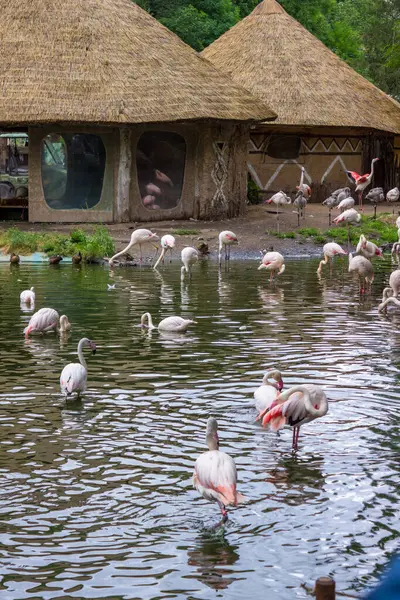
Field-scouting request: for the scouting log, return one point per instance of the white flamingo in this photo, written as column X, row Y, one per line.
column 28, row 296
column 189, row 257
column 168, row 324
column 330, row 250
column 266, row 394
column 368, row 249
column 273, row 262
column 138, row 237
column 167, row 243
column 74, row 376
column 303, row 187
column 350, row 217
column 215, row 475
column 45, row 319
column 364, row 270
column 296, row 406
column 346, row 203
column 226, row 239
column 393, row 195
column 65, row 325
column 279, row 199
column 391, row 294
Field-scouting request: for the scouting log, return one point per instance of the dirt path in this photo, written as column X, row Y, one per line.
column 252, row 229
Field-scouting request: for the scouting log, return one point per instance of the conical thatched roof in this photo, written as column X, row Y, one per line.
column 278, row 60
column 107, row 61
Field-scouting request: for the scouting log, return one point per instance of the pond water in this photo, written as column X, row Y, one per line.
column 96, row 498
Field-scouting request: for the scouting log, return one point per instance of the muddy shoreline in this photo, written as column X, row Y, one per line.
column 254, row 230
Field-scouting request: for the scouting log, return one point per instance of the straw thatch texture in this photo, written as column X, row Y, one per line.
column 109, row 62
column 278, row 60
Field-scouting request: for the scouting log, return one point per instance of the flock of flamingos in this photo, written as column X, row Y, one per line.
column 215, row 474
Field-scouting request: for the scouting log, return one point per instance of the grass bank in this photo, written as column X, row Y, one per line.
column 92, row 246
column 380, row 230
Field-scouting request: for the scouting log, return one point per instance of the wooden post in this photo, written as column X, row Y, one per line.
column 325, row 589
column 122, row 212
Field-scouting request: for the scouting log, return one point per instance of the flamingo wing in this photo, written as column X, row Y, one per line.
column 265, row 396
column 292, row 412
column 353, row 175
column 43, row 320
column 174, row 324
column 73, row 379
column 215, row 477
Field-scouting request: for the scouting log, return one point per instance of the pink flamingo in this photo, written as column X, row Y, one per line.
column 330, row 250
column 296, row 406
column 266, row 394
column 273, row 262
column 215, row 474
column 167, row 243
column 139, row 236
column 44, row 320
column 362, row 181
column 74, row 376
column 227, row 239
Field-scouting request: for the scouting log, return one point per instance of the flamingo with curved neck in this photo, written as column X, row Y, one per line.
column 167, row 243
column 74, row 376
column 296, row 406
column 362, row 181
column 265, row 395
column 139, row 236
column 189, row 256
column 173, row 324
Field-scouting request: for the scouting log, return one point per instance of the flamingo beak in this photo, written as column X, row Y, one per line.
column 93, row 347
column 279, row 385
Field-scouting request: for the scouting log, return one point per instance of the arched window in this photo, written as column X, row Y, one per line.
column 73, row 167
column 160, row 162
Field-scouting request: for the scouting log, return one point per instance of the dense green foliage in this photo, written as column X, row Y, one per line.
column 92, row 246
column 365, row 33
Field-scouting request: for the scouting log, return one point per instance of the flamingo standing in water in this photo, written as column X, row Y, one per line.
column 330, row 250
column 28, row 296
column 167, row 243
column 368, row 249
column 189, row 256
column 362, row 181
column 47, row 319
column 364, row 270
column 74, row 376
column 176, row 324
column 226, row 239
column 390, row 294
column 266, row 394
column 140, row 237
column 273, row 262
column 296, row 406
column 215, row 474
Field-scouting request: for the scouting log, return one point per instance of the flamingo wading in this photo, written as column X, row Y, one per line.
column 189, row 257
column 74, row 376
column 176, row 324
column 364, row 270
column 274, row 263
column 215, row 475
column 296, row 406
column 226, row 239
column 28, row 296
column 44, row 320
column 138, row 237
column 266, row 394
column 167, row 243
column 330, row 250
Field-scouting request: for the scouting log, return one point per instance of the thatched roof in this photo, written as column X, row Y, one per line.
column 278, row 60
column 109, row 62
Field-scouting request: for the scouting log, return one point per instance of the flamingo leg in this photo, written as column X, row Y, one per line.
column 297, row 437
column 277, row 218
column 330, row 260
column 375, row 211
column 360, row 204
column 330, row 217
column 224, row 512
column 298, row 218
column 294, row 438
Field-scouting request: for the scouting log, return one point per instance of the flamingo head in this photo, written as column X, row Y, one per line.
column 378, row 252
column 92, row 346
column 212, row 434
column 268, row 201
column 279, row 385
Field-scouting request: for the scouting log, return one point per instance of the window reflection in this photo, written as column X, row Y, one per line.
column 72, row 170
column 160, row 161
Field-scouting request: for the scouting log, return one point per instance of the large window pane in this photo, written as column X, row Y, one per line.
column 160, row 161
column 72, row 170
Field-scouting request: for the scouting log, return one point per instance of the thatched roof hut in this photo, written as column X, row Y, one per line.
column 277, row 59
column 108, row 62
column 329, row 116
column 125, row 121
